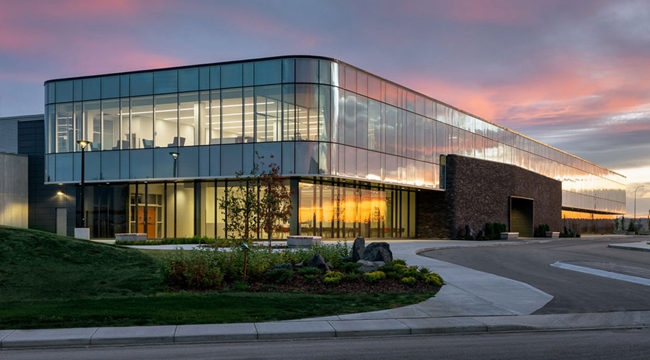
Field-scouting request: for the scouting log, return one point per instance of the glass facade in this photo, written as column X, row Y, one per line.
column 320, row 118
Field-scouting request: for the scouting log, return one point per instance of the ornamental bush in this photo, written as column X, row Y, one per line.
column 373, row 277
column 408, row 280
column 333, row 277
column 433, row 279
column 279, row 276
column 194, row 270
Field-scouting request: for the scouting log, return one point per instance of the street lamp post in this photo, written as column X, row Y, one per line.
column 82, row 145
column 637, row 188
column 174, row 155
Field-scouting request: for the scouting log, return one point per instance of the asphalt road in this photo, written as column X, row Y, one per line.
column 593, row 345
column 573, row 292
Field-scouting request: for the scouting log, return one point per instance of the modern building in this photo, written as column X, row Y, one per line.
column 363, row 155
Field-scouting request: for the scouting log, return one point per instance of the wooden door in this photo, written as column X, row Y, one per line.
column 151, row 221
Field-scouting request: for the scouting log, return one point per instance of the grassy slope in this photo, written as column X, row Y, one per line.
column 37, row 265
column 50, row 281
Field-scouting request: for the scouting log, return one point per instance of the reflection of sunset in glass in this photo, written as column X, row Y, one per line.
column 331, row 211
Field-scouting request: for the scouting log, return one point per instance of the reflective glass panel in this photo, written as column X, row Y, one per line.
column 231, row 75
column 188, row 162
column 165, row 81
column 91, row 88
column 188, row 79
column 231, row 116
column 64, row 130
column 362, row 122
column 110, row 87
column 166, row 121
column 141, row 84
column 141, row 164
column 307, row 70
column 268, row 72
column 188, row 119
column 110, row 165
column 63, row 91
column 111, row 124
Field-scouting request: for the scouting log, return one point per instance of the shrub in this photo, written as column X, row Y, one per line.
column 414, row 273
column 354, row 276
column 331, row 253
column 399, row 261
column 540, row 230
column 424, row 271
column 333, row 277
column 489, row 231
column 433, row 279
column 311, row 278
column 350, row 267
column 306, row 271
column 279, row 276
column 493, row 230
column 191, row 270
column 375, row 276
column 408, row 280
column 240, row 286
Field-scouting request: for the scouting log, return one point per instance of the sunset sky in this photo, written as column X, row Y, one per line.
column 574, row 74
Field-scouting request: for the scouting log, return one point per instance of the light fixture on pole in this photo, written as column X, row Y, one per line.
column 82, row 145
column 174, row 155
column 634, row 220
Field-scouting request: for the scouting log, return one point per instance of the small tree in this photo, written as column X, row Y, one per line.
column 240, row 208
column 616, row 225
column 275, row 200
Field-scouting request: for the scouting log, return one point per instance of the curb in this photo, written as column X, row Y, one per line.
column 317, row 329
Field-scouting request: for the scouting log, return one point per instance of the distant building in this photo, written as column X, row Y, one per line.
column 364, row 156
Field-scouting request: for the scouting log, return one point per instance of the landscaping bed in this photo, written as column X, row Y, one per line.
column 51, row 281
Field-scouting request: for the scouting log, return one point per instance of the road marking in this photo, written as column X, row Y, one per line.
column 602, row 273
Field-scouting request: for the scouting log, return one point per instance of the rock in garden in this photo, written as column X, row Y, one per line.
column 378, row 251
column 318, row 262
column 370, row 266
column 358, row 248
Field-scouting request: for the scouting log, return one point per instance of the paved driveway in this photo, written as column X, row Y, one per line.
column 574, row 292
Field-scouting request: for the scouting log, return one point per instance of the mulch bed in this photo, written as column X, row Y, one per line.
column 348, row 287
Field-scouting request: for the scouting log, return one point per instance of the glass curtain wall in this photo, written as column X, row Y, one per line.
column 333, row 211
column 340, row 121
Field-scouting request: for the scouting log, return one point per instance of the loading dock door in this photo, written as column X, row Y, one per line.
column 521, row 216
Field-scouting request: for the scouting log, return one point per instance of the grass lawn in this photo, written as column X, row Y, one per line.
column 50, row 281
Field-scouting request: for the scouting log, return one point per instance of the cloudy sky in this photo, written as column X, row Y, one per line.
column 571, row 73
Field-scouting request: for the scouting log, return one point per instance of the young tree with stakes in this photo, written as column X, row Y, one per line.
column 259, row 201
column 275, row 200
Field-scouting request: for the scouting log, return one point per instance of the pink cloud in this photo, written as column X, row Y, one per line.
column 562, row 95
column 503, row 12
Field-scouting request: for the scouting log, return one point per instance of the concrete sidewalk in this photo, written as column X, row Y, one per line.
column 470, row 302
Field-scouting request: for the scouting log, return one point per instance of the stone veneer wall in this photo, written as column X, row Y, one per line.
column 479, row 191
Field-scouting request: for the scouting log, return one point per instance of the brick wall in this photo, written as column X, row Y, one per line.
column 479, row 191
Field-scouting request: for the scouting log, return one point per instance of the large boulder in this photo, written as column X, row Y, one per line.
column 370, row 266
column 378, row 251
column 317, row 261
column 358, row 248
